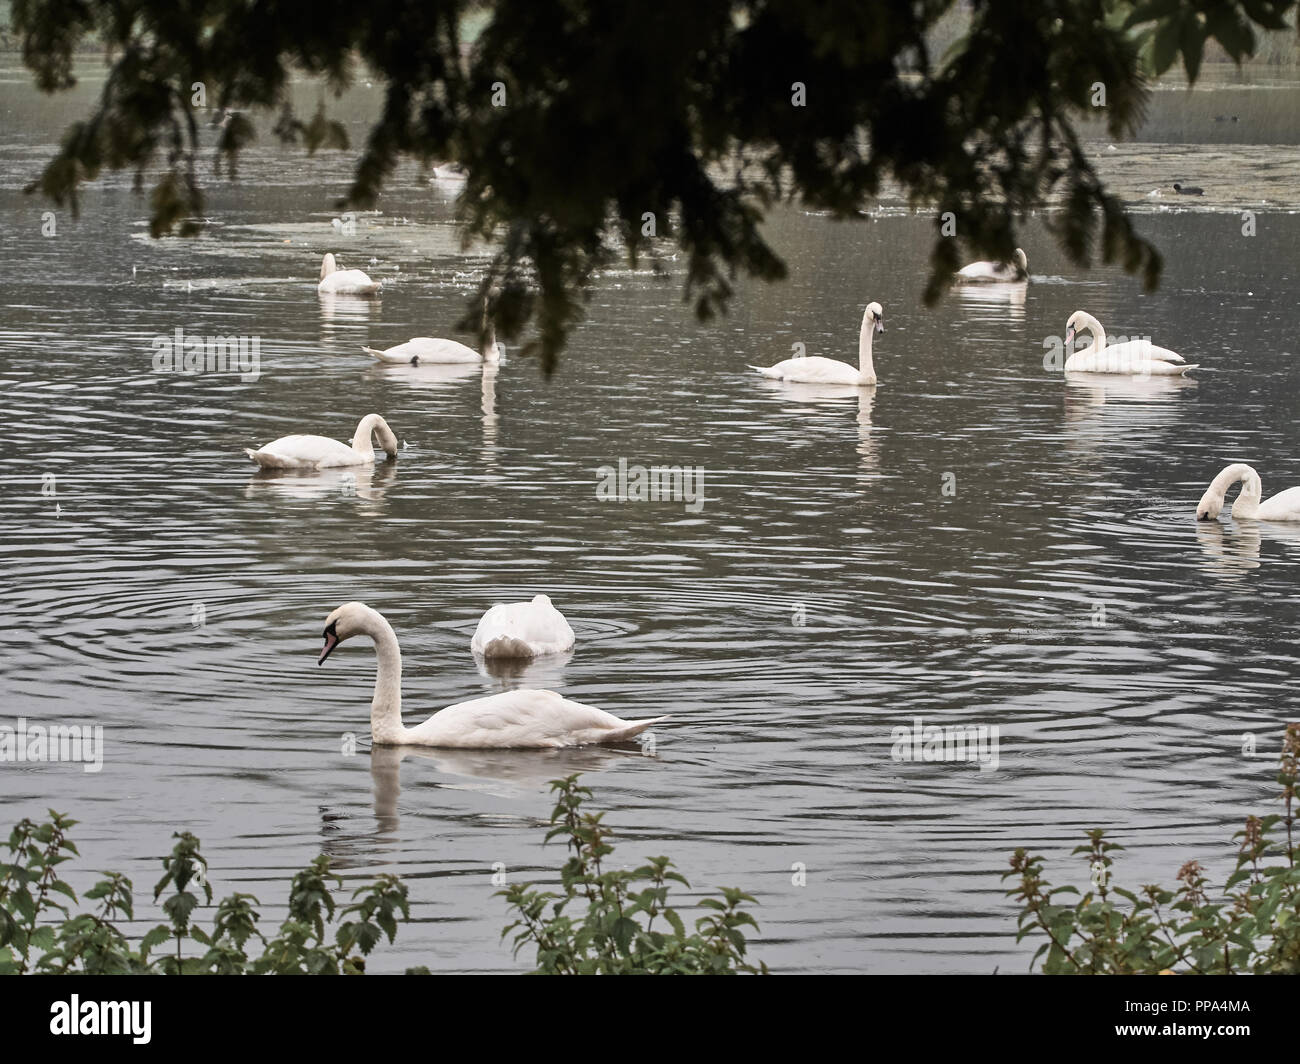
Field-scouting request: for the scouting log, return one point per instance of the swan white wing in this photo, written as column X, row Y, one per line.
column 977, row 272
column 348, row 282
column 813, row 370
column 522, row 629
column 305, row 452
column 1134, row 358
column 429, row 349
column 524, row 719
column 1284, row 506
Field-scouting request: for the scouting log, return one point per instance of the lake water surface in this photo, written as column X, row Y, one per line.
column 1059, row 590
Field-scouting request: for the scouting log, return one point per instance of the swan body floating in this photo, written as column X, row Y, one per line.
column 521, row 719
column 320, row 452
column 817, row 370
column 431, row 351
column 1284, row 506
column 994, row 272
column 334, row 281
column 1136, row 358
column 522, row 630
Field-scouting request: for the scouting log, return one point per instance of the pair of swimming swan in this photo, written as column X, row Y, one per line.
column 337, row 282
column 1284, row 506
column 523, row 719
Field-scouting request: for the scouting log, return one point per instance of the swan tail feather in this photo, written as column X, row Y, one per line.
column 765, row 371
column 373, row 353
column 634, row 728
column 252, row 454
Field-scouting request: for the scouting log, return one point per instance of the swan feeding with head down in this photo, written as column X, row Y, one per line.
column 522, row 719
column 994, row 272
column 320, row 452
column 522, row 630
column 1284, row 506
column 433, row 351
column 1136, row 358
column 336, row 282
column 814, row 369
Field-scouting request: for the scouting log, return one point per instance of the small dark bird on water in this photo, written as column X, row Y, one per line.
column 1188, row 190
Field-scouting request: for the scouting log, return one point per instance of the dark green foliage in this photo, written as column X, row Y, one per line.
column 605, row 921
column 682, row 109
column 1251, row 926
column 90, row 943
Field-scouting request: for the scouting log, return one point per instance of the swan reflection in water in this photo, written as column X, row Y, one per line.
column 368, row 482
column 1231, row 549
column 506, row 674
column 343, row 310
column 832, row 395
column 504, row 773
column 1097, row 404
column 1001, row 301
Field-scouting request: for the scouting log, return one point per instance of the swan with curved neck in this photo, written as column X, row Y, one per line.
column 320, row 452
column 995, row 272
column 334, row 281
column 522, row 719
column 1284, row 506
column 522, row 630
column 817, row 370
column 1134, row 358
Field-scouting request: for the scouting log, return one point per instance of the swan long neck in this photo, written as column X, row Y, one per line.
column 1097, row 332
column 327, row 265
column 1252, row 488
column 491, row 353
column 386, row 705
column 866, row 368
column 374, row 424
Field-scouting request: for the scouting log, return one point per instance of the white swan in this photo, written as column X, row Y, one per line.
column 994, row 272
column 523, row 719
column 818, row 370
column 320, row 452
column 334, row 281
column 1284, row 506
column 522, row 630
column 431, row 351
column 1136, row 358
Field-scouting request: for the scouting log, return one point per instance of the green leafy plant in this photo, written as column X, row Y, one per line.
column 1251, row 925
column 604, row 922
column 34, row 939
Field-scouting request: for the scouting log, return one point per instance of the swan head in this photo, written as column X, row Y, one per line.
column 876, row 315
column 353, row 618
column 1021, row 260
column 327, row 265
column 1078, row 321
column 1211, row 504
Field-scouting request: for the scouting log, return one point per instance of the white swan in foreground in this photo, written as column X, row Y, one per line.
column 334, row 281
column 1137, row 358
column 1284, row 506
column 994, row 272
column 432, row 351
column 523, row 719
column 320, row 452
column 522, row 630
column 817, row 370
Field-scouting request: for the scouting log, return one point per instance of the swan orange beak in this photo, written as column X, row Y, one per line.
column 1069, row 336
column 880, row 327
column 331, row 641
